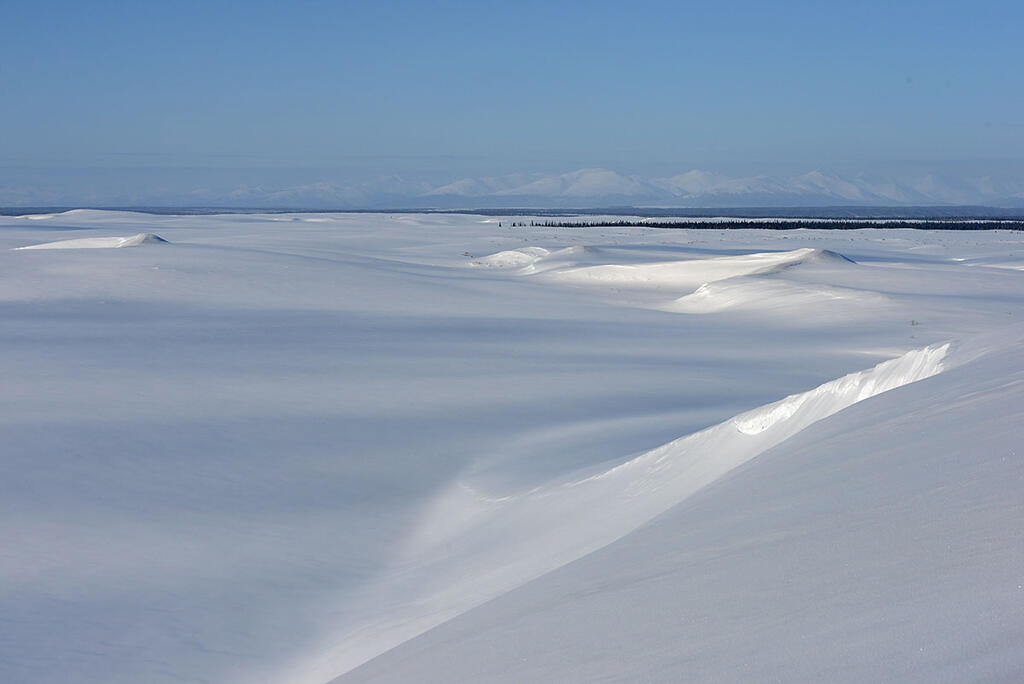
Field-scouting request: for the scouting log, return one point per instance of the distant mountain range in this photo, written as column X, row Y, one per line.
column 584, row 188
column 602, row 187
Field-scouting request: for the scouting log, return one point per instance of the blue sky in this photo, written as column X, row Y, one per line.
column 440, row 90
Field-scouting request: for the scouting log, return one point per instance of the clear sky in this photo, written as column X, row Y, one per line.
column 448, row 89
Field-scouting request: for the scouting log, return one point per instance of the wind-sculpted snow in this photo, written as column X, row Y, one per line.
column 836, row 395
column 100, row 242
column 754, row 282
column 689, row 274
column 512, row 258
column 473, row 546
column 281, row 444
column 759, row 296
column 874, row 523
column 526, row 260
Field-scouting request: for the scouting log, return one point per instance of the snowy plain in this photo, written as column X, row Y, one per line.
column 431, row 447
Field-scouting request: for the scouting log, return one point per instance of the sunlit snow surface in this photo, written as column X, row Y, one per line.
column 283, row 448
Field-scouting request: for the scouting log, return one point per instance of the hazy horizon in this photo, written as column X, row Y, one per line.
column 191, row 103
column 995, row 186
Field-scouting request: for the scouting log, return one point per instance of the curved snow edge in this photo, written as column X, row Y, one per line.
column 847, row 390
column 99, row 242
column 471, row 548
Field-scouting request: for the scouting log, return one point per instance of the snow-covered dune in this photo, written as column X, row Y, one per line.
column 471, row 547
column 879, row 544
column 512, row 258
column 285, row 448
column 759, row 295
column 100, row 242
column 691, row 273
column 746, row 281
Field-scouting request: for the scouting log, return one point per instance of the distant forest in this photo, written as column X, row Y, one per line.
column 773, row 224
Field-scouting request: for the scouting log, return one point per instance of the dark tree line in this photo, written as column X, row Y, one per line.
column 943, row 224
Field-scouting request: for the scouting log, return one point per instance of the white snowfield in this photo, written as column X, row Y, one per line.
column 395, row 448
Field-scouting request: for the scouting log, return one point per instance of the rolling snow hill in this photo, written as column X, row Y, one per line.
column 428, row 447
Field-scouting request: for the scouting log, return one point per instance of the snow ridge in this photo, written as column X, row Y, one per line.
column 473, row 546
column 838, row 394
column 100, row 242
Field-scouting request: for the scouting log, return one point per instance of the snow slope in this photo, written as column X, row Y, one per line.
column 283, row 448
column 881, row 544
column 99, row 242
column 470, row 547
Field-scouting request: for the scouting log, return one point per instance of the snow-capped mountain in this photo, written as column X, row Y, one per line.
column 583, row 188
column 699, row 183
column 585, row 183
column 481, row 187
column 603, row 187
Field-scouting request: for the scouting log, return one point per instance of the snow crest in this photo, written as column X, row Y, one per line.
column 100, row 242
column 838, row 394
column 512, row 258
column 472, row 546
column 690, row 274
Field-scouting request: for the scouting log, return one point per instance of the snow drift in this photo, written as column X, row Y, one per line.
column 692, row 273
column 472, row 546
column 307, row 438
column 101, row 242
column 874, row 523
